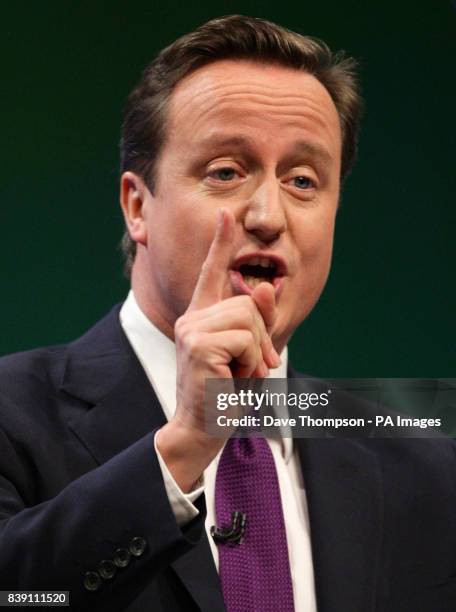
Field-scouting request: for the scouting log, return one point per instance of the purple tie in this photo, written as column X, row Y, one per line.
column 252, row 544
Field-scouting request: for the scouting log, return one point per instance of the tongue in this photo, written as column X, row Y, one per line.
column 253, row 281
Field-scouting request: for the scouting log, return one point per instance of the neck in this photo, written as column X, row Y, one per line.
column 148, row 301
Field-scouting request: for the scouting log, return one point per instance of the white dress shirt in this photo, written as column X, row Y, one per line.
column 157, row 354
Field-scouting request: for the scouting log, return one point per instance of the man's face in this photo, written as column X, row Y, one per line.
column 263, row 141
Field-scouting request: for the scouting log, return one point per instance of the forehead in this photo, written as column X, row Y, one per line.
column 252, row 100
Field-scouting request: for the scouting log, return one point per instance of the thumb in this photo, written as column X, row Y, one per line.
column 264, row 297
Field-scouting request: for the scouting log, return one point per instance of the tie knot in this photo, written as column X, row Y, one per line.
column 246, row 450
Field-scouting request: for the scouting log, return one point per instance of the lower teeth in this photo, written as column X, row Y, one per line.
column 254, row 281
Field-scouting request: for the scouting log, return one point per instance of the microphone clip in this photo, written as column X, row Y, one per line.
column 234, row 533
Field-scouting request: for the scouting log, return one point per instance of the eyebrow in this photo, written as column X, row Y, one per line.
column 227, row 141
column 299, row 147
column 310, row 149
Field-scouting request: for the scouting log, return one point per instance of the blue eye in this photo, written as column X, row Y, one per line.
column 302, row 182
column 225, row 174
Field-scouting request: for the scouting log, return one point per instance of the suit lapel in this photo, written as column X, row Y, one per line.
column 343, row 483
column 103, row 371
column 120, row 407
column 344, row 494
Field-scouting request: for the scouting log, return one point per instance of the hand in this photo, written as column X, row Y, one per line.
column 215, row 338
column 218, row 338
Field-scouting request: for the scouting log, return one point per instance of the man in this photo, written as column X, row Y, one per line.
column 234, row 147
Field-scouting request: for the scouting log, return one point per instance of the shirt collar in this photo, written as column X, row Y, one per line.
column 157, row 355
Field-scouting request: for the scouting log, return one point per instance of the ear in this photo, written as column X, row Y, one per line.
column 133, row 196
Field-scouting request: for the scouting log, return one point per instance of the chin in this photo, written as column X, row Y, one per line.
column 280, row 336
column 287, row 324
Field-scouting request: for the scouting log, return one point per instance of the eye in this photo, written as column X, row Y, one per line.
column 302, row 182
column 223, row 174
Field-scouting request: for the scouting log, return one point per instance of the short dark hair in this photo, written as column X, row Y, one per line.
column 232, row 37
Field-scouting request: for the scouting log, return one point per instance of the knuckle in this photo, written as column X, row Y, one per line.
column 192, row 341
column 181, row 328
column 251, row 340
column 246, row 340
column 248, row 314
column 179, row 325
column 187, row 337
column 245, row 300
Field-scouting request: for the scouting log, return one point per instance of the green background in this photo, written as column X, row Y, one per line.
column 67, row 67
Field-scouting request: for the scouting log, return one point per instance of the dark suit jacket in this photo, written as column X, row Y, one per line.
column 79, row 480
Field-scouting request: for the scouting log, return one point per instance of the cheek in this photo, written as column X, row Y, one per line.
column 180, row 249
column 316, row 242
column 311, row 277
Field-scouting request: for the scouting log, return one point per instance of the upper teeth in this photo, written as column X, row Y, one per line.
column 264, row 262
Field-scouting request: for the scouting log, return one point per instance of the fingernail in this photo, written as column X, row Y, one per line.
column 262, row 369
column 275, row 357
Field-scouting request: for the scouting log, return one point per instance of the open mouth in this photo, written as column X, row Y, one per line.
column 249, row 271
column 258, row 270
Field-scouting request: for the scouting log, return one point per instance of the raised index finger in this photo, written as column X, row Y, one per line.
column 214, row 271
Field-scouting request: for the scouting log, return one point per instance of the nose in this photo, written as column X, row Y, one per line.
column 265, row 216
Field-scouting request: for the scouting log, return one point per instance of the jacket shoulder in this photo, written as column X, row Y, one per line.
column 31, row 370
column 42, row 370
